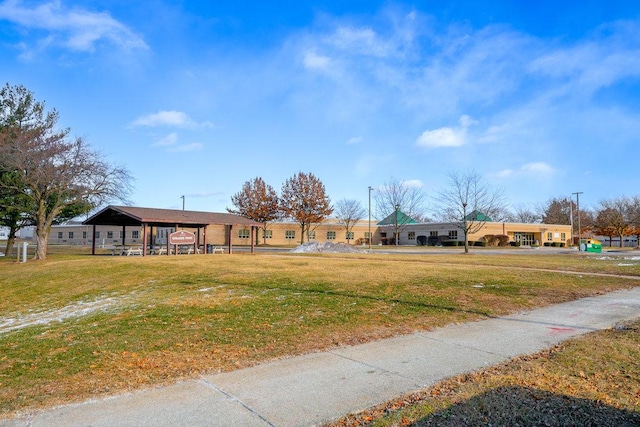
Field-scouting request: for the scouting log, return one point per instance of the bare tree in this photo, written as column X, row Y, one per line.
column 402, row 200
column 56, row 175
column 524, row 215
column 348, row 212
column 304, row 199
column 467, row 201
column 257, row 201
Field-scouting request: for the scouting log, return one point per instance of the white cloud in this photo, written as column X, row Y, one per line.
column 313, row 61
column 168, row 140
column 538, row 168
column 442, row 137
column 447, row 136
column 467, row 121
column 168, row 119
column 75, row 29
column 413, row 183
column 354, row 140
column 503, row 174
column 535, row 170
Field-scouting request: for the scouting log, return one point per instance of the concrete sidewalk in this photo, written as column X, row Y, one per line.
column 320, row 387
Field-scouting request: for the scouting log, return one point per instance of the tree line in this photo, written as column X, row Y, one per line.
column 303, row 199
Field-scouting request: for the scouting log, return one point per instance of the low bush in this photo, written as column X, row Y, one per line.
column 450, row 243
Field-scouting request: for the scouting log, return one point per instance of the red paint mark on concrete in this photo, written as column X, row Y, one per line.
column 559, row 330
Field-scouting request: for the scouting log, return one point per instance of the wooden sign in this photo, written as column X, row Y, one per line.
column 182, row 238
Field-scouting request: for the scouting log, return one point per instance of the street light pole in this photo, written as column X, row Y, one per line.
column 370, row 237
column 578, row 193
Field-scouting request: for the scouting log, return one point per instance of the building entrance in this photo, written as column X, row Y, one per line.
column 525, row 239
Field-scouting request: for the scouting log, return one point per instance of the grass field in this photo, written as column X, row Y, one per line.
column 76, row 326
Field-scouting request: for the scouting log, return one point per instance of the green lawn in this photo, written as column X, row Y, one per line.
column 76, row 326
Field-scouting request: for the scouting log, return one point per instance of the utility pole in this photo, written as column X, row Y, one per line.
column 571, row 220
column 182, row 197
column 578, row 193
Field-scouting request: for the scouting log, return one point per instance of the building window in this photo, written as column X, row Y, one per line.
column 243, row 234
column 350, row 235
column 549, row 236
column 59, row 234
column 383, row 234
column 84, row 234
column 412, row 235
column 267, row 234
column 367, row 234
column 121, row 234
column 331, row 235
column 109, row 234
column 433, row 233
column 453, row 234
column 71, row 234
column 135, row 234
column 563, row 236
column 312, row 235
column 97, row 234
column 290, row 234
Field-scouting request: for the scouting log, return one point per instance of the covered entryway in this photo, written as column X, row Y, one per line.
column 150, row 218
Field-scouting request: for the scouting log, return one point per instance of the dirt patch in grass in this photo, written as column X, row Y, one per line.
column 592, row 380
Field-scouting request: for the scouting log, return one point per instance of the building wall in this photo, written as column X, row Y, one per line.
column 525, row 233
column 288, row 233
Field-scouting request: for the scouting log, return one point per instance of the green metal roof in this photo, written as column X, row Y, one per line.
column 401, row 219
column 478, row 216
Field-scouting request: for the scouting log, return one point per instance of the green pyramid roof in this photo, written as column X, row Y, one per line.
column 478, row 216
column 402, row 219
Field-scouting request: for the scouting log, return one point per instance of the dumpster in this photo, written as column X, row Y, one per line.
column 590, row 245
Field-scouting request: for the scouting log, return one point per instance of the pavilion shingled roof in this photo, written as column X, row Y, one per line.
column 131, row 215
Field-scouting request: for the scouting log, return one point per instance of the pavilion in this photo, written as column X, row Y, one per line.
column 148, row 218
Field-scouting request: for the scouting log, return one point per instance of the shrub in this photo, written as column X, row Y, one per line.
column 496, row 240
column 547, row 243
column 480, row 243
column 503, row 240
column 449, row 243
column 516, row 244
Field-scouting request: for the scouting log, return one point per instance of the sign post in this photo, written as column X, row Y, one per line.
column 182, row 238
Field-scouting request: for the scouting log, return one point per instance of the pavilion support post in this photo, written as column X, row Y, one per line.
column 229, row 239
column 204, row 239
column 253, row 240
column 144, row 239
column 124, row 229
column 93, row 240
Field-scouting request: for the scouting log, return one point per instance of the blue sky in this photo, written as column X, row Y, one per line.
column 195, row 98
